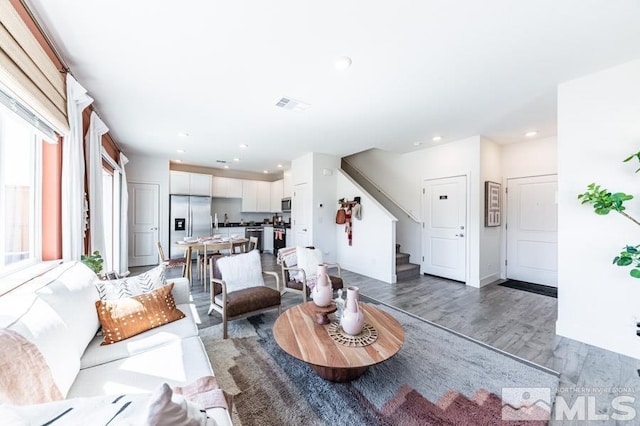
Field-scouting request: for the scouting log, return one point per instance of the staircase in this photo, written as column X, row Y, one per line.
column 405, row 270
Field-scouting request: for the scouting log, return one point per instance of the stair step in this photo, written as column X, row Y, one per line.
column 407, row 271
column 402, row 258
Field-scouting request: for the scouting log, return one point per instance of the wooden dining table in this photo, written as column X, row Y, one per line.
column 209, row 245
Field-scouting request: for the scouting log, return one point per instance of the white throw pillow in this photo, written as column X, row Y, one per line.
column 132, row 286
column 241, row 271
column 308, row 260
column 167, row 408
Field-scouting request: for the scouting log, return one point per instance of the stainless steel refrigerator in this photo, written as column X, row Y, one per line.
column 190, row 216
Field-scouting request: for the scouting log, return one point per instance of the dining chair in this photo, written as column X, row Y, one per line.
column 210, row 251
column 172, row 263
column 253, row 243
column 239, row 290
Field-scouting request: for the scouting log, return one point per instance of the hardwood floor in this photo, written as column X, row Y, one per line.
column 515, row 321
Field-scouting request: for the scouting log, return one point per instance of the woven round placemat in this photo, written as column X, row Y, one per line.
column 367, row 336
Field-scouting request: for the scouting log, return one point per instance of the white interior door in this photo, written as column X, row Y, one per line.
column 532, row 229
column 444, row 227
column 301, row 215
column 144, row 213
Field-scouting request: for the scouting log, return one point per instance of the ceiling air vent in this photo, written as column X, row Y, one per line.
column 291, row 104
column 221, row 161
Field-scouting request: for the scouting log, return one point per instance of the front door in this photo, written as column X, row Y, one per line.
column 532, row 229
column 444, row 227
column 300, row 214
column 143, row 224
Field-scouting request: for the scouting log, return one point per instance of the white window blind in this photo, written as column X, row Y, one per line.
column 28, row 72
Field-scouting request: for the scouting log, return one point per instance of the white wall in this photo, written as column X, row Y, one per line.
column 598, row 126
column 402, row 176
column 490, row 237
column 531, row 158
column 143, row 169
column 324, row 202
column 372, row 252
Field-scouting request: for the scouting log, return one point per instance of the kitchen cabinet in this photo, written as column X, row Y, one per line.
column 256, row 196
column 227, row 231
column 277, row 193
column 267, row 239
column 185, row 183
column 226, row 187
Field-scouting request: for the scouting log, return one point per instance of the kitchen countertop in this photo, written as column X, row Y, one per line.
column 244, row 225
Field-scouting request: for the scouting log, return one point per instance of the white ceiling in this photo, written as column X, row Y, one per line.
column 215, row 69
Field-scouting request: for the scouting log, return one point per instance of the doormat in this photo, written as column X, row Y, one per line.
column 544, row 290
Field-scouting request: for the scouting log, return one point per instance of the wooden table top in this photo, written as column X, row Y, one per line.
column 297, row 333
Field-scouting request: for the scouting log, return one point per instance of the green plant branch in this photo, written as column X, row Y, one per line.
column 604, row 202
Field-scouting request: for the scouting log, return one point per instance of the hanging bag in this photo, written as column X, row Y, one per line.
column 341, row 217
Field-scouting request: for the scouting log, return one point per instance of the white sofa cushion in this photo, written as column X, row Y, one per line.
column 177, row 363
column 42, row 326
column 73, row 295
column 95, row 354
column 132, row 286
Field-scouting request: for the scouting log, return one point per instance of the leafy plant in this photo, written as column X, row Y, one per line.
column 93, row 261
column 603, row 202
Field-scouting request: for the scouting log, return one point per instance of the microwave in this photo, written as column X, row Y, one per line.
column 285, row 204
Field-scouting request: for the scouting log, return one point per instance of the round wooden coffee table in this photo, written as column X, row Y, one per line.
column 298, row 334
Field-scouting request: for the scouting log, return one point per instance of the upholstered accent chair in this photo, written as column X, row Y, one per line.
column 238, row 289
column 298, row 272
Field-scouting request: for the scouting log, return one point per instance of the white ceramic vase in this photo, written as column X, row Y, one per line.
column 352, row 318
column 322, row 293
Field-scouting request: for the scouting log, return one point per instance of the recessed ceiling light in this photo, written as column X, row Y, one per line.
column 437, row 138
column 178, row 161
column 183, row 134
column 342, row 63
column 531, row 133
column 265, row 171
column 244, row 145
column 180, row 151
column 236, row 160
column 417, row 143
column 225, row 167
column 279, row 166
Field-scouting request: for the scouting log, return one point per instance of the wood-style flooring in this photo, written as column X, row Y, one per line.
column 514, row 321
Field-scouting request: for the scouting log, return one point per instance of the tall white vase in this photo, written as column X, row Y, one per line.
column 352, row 319
column 322, row 293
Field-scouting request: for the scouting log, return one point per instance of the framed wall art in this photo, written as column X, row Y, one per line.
column 492, row 198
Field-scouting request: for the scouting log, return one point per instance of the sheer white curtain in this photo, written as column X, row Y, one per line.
column 73, row 173
column 124, row 208
column 94, row 159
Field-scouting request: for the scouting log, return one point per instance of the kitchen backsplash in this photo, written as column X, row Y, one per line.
column 233, row 207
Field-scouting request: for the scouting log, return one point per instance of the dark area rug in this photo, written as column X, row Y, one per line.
column 544, row 290
column 438, row 378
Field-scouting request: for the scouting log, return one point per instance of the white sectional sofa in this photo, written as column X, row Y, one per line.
column 60, row 319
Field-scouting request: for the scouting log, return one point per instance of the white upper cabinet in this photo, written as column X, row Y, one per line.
column 263, row 202
column 200, row 184
column 277, row 193
column 256, row 196
column 190, row 183
column 249, row 196
column 226, row 187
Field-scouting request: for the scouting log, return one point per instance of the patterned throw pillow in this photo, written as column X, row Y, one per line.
column 123, row 318
column 132, row 286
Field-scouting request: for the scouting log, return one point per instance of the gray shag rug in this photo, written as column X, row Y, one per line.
column 438, row 378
